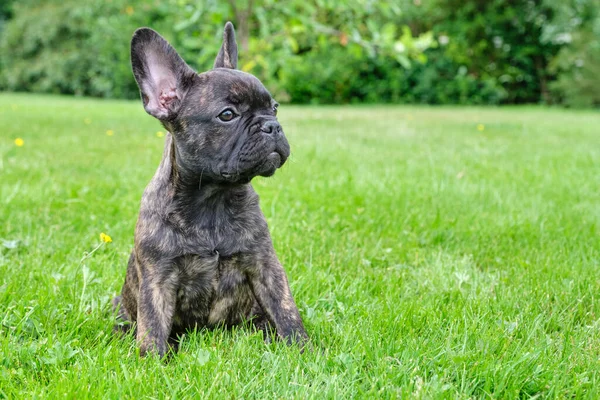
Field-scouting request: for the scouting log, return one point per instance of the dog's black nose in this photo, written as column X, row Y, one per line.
column 271, row 127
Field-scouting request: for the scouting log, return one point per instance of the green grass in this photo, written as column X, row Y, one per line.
column 428, row 258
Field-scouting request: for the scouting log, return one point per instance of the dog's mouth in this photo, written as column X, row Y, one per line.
column 267, row 168
column 273, row 161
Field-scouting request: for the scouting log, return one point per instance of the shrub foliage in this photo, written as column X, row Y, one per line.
column 321, row 51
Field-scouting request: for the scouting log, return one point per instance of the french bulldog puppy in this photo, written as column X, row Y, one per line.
column 203, row 255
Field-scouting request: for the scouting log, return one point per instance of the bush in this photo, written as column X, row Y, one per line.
column 332, row 76
column 441, row 81
column 66, row 47
column 493, row 49
column 577, row 64
column 314, row 51
column 82, row 48
column 578, row 69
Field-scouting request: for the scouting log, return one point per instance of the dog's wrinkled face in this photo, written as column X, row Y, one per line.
column 223, row 121
column 227, row 127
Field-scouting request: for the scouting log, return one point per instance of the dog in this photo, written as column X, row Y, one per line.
column 203, row 256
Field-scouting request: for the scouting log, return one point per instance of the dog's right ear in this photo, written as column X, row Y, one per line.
column 162, row 76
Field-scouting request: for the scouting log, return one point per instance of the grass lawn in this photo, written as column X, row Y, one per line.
column 433, row 253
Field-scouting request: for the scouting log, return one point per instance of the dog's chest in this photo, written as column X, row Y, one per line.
column 212, row 290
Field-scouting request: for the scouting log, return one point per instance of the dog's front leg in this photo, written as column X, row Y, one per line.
column 156, row 307
column 272, row 291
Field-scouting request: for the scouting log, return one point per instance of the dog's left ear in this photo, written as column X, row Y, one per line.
column 228, row 55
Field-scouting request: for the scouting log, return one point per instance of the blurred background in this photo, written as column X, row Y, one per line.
column 321, row 51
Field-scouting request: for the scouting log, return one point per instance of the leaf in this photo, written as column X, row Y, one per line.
column 403, row 60
column 293, row 44
column 59, row 354
column 10, row 244
column 344, row 359
column 86, row 272
column 247, row 67
column 202, row 356
column 388, row 33
column 188, row 22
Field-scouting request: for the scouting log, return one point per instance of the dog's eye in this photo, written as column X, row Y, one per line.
column 275, row 108
column 226, row 115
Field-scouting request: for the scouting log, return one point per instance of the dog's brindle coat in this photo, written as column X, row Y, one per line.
column 203, row 255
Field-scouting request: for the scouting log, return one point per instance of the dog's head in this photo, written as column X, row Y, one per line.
column 223, row 121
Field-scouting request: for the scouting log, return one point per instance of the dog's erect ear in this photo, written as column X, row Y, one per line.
column 163, row 77
column 228, row 55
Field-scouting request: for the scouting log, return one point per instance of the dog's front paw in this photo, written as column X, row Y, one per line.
column 150, row 346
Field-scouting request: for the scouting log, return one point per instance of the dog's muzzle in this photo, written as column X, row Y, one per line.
column 266, row 166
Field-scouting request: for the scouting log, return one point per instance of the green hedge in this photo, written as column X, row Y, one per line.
column 321, row 51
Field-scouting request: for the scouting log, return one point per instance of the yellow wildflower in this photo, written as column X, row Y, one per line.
column 105, row 238
column 110, row 132
column 160, row 134
column 19, row 142
column 129, row 10
column 480, row 127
